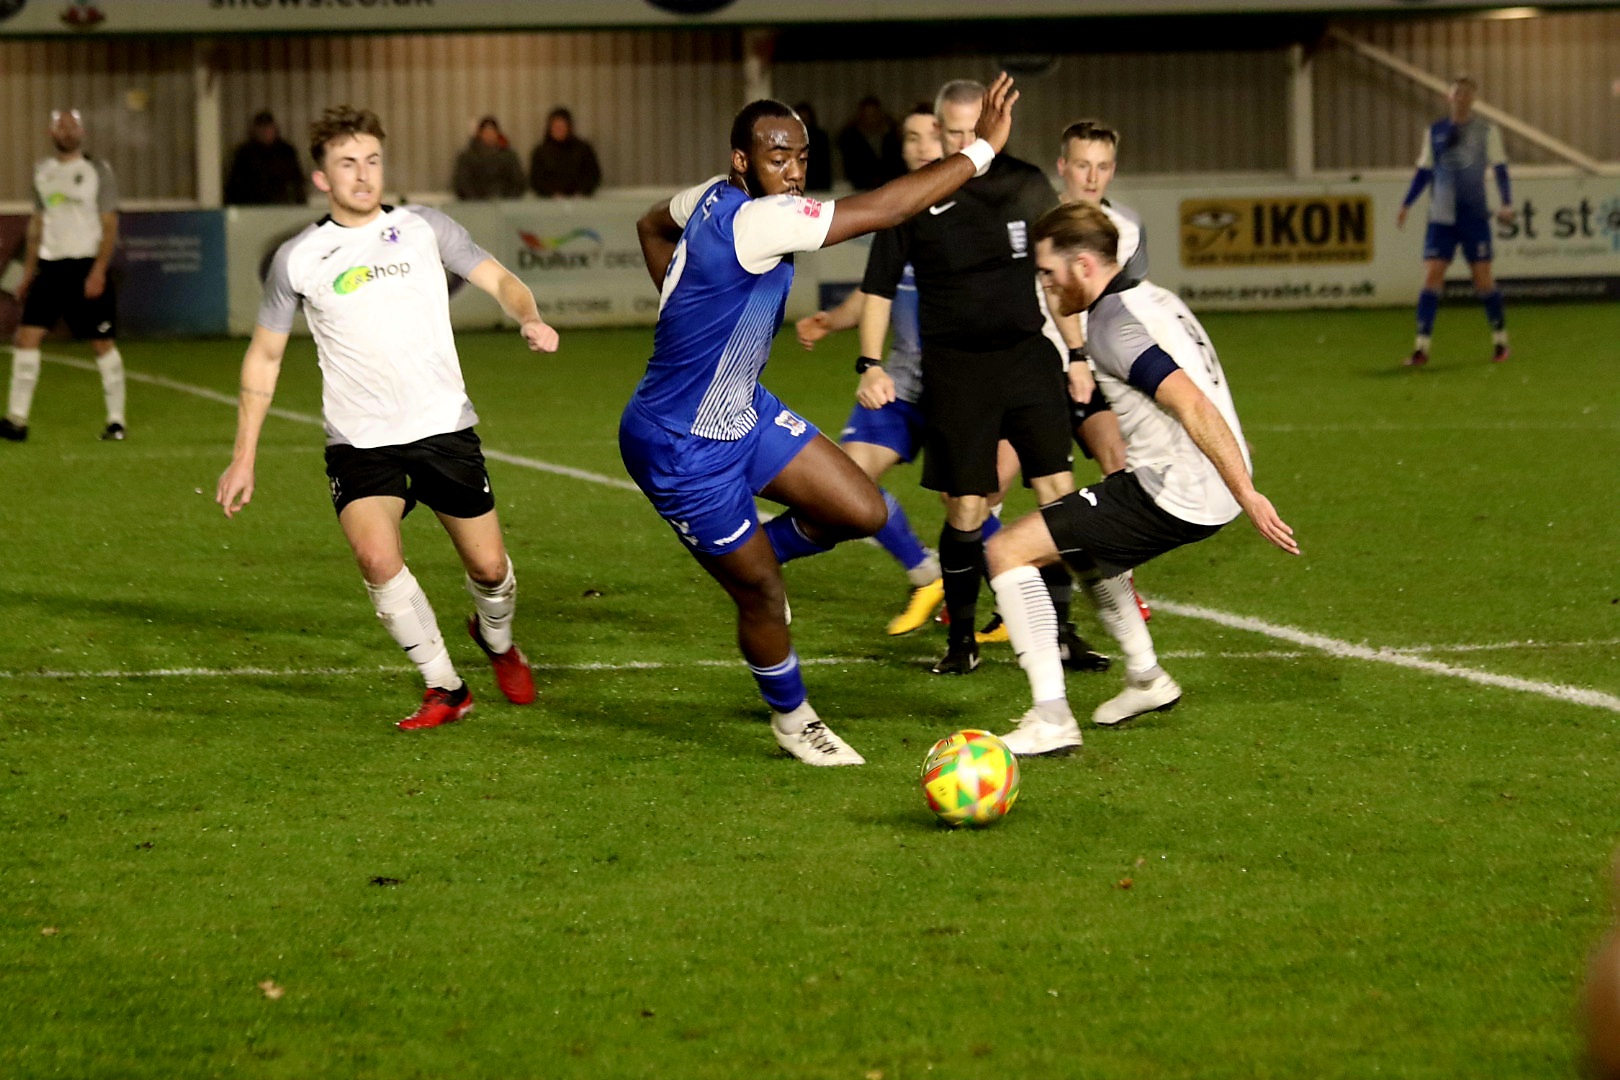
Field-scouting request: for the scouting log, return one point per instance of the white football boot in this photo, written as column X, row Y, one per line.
column 1155, row 695
column 813, row 742
column 1038, row 734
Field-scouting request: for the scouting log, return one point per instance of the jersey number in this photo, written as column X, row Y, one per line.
column 1211, row 364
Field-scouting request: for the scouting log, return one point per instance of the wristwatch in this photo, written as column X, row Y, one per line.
column 864, row 362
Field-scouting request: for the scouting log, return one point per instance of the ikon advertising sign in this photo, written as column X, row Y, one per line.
column 1293, row 245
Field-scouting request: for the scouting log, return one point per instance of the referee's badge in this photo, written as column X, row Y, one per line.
column 1018, row 237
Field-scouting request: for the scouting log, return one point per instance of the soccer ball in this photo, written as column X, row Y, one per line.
column 970, row 778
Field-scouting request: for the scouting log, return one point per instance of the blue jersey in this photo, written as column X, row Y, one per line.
column 722, row 305
column 1460, row 155
column 904, row 363
column 905, row 329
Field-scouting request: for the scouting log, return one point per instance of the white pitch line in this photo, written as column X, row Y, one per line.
column 661, row 665
column 1319, row 642
column 1349, row 650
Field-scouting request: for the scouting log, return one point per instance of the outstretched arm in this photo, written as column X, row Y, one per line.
column 261, row 367
column 517, row 301
column 899, row 199
column 1209, row 430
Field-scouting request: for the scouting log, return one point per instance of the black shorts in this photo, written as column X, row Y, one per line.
column 57, row 292
column 973, row 400
column 1115, row 525
column 443, row 472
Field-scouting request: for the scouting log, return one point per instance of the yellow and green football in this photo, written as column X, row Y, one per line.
column 970, row 778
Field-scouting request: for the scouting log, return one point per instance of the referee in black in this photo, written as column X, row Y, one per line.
column 989, row 371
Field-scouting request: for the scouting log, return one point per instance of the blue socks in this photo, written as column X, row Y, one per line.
column 1493, row 309
column 1427, row 306
column 789, row 542
column 781, row 685
column 896, row 535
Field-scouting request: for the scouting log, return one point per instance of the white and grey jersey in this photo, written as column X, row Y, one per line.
column 71, row 196
column 1136, row 334
column 378, row 305
column 1132, row 256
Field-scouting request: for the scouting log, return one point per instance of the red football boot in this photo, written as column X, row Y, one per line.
column 1141, row 604
column 439, row 707
column 512, row 672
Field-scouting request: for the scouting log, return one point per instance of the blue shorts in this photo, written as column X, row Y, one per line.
column 1473, row 236
column 897, row 426
column 704, row 488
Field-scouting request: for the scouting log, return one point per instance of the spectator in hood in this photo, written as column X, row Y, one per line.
column 488, row 168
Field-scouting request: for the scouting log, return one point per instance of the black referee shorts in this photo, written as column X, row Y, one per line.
column 973, row 400
column 1117, row 526
column 445, row 473
column 57, row 292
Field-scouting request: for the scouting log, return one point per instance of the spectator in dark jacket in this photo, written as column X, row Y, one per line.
column 563, row 163
column 869, row 146
column 488, row 168
column 265, row 169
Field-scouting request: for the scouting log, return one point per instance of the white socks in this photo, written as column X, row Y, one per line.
column 404, row 610
column 495, row 606
column 1026, row 609
column 1116, row 607
column 24, row 377
column 112, row 384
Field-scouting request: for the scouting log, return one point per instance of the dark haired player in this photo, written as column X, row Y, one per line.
column 701, row 436
column 399, row 426
column 1188, row 476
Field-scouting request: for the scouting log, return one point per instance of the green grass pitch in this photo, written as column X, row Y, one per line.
column 1329, row 861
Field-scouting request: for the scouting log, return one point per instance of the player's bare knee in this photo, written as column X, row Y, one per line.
column 489, row 573
column 872, row 515
column 378, row 566
column 999, row 556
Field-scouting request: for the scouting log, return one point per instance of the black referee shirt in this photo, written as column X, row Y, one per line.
column 974, row 260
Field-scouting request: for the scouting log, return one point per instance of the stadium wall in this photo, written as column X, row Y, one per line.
column 1225, row 244
column 655, row 102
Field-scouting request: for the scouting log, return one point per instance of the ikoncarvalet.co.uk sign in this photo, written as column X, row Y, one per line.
column 1255, row 245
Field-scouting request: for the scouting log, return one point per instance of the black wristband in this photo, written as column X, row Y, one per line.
column 864, row 362
column 1077, row 356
